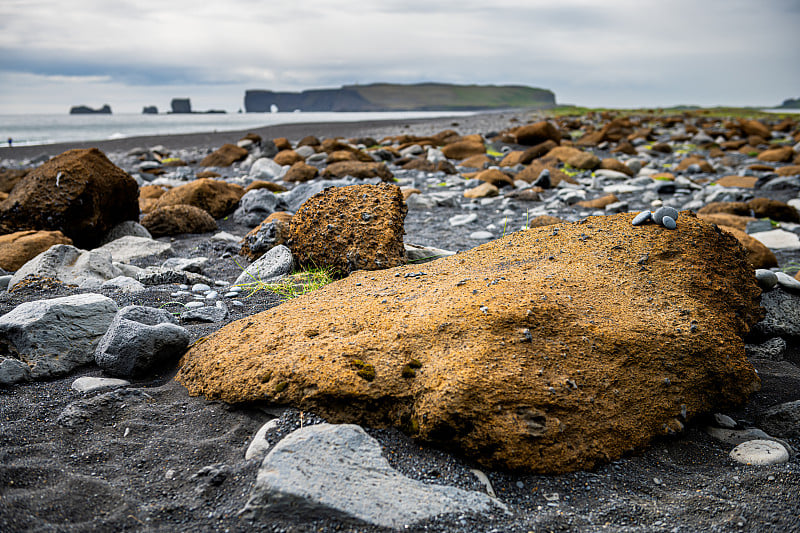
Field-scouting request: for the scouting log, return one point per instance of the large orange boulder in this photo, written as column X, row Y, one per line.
column 358, row 227
column 507, row 353
column 574, row 157
column 758, row 255
column 464, row 149
column 754, row 127
column 216, row 197
column 80, row 193
column 18, row 248
column 783, row 154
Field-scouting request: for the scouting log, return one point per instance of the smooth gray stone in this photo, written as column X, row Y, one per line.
column 782, row 315
column 124, row 229
column 13, row 371
column 665, row 211
column 69, row 265
column 420, row 202
column 260, row 445
column 773, row 349
column 139, row 339
column 422, row 254
column 787, row 282
column 668, row 222
column 758, row 226
column 642, row 218
column 271, row 266
column 57, row 335
column 216, row 313
column 766, row 278
column 129, row 248
column 543, row 180
column 201, row 287
column 481, row 235
column 265, row 169
column 256, row 205
column 124, row 284
column 5, row 279
column 188, row 264
column 783, row 420
column 617, row 207
column 90, row 384
column 337, row 471
column 461, row 220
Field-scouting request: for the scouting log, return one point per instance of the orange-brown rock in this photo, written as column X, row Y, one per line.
column 512, row 158
column 733, row 208
column 783, row 154
column 218, row 198
column 544, row 220
column 484, row 190
column 149, row 195
column 624, row 148
column 609, row 163
column 300, row 172
column 254, row 137
column 791, row 170
column 429, row 166
column 358, row 169
column 263, row 184
column 725, row 219
column 758, row 255
column 359, row 227
column 407, row 192
column 259, row 240
column 224, row 156
column 754, row 127
column 341, row 155
column 599, row 203
column 309, row 140
column 518, row 372
column 281, row 143
column 463, row 149
column 774, row 209
column 476, row 161
column 761, row 167
column 10, row 177
column 208, row 174
column 537, row 151
column 539, row 132
column 178, row 219
column 18, row 248
column 704, row 165
column 282, row 216
column 496, row 177
column 747, row 182
column 574, row 157
column 287, row 157
column 80, row 193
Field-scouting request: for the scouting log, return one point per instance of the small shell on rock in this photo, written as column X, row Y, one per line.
column 642, row 217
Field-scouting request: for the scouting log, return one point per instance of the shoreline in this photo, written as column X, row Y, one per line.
column 296, row 131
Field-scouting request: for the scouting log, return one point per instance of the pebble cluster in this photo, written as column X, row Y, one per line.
column 665, row 215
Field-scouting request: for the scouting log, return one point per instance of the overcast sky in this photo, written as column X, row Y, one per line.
column 614, row 53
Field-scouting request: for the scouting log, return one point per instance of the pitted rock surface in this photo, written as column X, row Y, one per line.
column 549, row 350
column 358, row 227
column 80, row 193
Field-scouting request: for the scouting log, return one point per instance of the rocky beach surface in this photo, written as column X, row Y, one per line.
column 508, row 321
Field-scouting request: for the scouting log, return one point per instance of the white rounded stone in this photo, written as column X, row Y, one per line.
column 760, row 452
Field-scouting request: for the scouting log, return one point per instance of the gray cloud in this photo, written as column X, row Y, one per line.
column 618, row 53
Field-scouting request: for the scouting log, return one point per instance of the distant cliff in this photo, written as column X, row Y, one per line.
column 393, row 97
column 86, row 110
column 790, row 103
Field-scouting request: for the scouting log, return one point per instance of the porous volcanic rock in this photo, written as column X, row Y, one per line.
column 177, row 219
column 758, row 255
column 224, row 156
column 18, row 248
column 358, row 227
column 549, row 350
column 272, row 232
column 216, row 197
column 79, row 192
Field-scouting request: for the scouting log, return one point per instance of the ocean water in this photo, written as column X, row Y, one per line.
column 27, row 130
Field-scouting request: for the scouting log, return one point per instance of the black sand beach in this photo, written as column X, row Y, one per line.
column 151, row 458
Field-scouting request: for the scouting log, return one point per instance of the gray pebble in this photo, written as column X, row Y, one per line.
column 668, row 222
column 641, row 218
column 760, row 452
column 194, row 305
column 210, row 295
column 231, row 294
column 766, row 278
column 665, row 211
column 200, row 287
